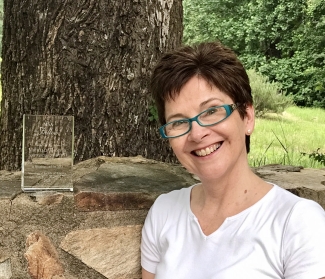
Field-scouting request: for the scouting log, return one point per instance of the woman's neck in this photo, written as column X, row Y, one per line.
column 229, row 196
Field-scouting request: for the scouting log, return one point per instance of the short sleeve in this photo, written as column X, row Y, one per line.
column 304, row 242
column 149, row 243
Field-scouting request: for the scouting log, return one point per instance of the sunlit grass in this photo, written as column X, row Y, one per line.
column 314, row 115
column 281, row 139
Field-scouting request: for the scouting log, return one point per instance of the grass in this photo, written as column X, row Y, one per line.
column 282, row 138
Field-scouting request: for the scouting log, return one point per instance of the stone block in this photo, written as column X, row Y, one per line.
column 42, row 257
column 126, row 184
column 5, row 268
column 113, row 252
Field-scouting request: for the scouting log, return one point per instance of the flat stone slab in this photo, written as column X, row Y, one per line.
column 113, row 252
column 125, row 183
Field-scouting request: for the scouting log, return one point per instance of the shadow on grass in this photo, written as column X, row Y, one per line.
column 277, row 117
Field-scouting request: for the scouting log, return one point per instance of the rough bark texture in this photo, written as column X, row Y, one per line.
column 90, row 59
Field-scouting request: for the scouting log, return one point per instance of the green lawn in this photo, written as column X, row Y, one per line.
column 280, row 139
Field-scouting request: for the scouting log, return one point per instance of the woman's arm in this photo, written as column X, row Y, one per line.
column 147, row 274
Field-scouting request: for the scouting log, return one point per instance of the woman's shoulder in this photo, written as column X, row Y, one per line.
column 173, row 198
column 297, row 207
column 172, row 204
column 303, row 238
column 169, row 206
column 288, row 197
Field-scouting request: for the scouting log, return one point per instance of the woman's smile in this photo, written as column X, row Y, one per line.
column 207, row 151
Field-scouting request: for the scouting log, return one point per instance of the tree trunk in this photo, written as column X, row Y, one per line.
column 90, row 59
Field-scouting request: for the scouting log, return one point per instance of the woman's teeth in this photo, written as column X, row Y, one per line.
column 208, row 150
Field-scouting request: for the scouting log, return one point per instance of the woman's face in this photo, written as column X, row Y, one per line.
column 209, row 152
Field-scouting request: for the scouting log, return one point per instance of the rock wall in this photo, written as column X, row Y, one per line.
column 94, row 232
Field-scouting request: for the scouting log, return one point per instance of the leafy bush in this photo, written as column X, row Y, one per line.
column 267, row 95
column 297, row 76
column 316, row 156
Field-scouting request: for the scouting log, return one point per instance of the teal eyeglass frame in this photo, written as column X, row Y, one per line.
column 229, row 110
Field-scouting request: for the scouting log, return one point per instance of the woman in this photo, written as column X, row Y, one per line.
column 232, row 224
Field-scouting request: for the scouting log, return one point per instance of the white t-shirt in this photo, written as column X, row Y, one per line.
column 281, row 236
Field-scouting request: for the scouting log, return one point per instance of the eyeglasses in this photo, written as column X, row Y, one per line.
column 209, row 117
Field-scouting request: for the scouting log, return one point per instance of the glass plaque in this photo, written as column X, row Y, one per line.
column 47, row 153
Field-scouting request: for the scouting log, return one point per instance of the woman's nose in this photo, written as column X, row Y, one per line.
column 197, row 132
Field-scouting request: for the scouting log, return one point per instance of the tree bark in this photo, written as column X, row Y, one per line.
column 90, row 59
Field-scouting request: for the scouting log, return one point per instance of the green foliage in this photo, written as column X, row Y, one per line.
column 255, row 26
column 281, row 39
column 297, row 76
column 267, row 95
column 153, row 113
column 316, row 155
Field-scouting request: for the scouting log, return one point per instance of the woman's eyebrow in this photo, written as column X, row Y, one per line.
column 209, row 100
column 176, row 115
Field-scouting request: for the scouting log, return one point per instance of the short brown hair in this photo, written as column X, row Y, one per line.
column 212, row 61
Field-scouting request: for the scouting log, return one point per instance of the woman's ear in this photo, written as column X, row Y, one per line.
column 249, row 119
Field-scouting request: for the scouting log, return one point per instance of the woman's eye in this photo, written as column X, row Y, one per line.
column 179, row 123
column 211, row 111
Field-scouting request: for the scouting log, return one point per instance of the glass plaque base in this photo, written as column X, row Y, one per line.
column 47, row 153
